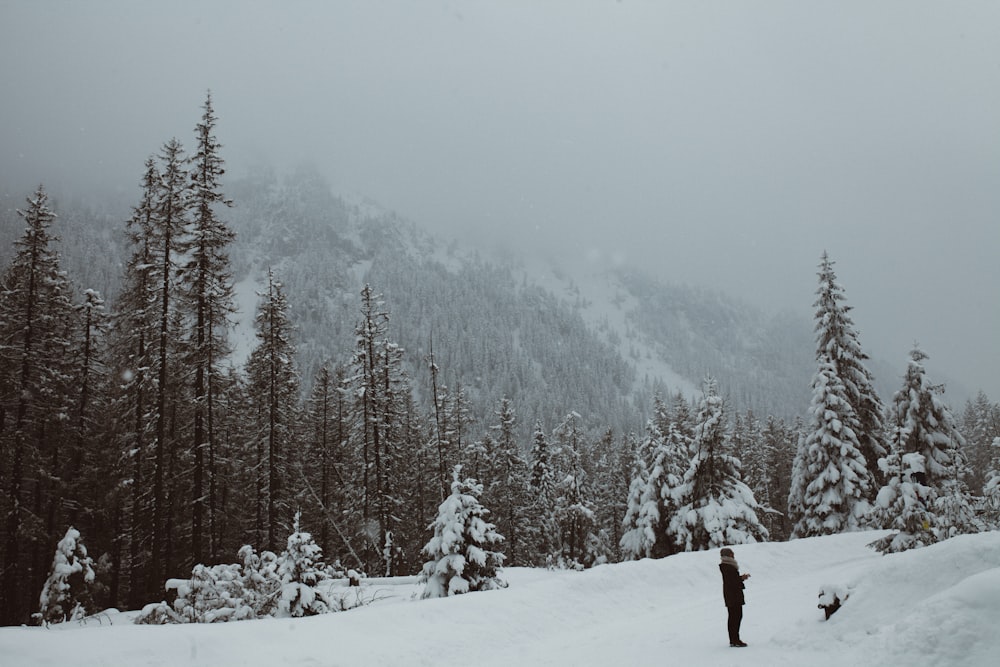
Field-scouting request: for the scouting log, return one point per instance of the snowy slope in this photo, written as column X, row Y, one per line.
column 604, row 303
column 933, row 606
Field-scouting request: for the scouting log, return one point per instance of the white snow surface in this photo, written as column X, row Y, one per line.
column 938, row 605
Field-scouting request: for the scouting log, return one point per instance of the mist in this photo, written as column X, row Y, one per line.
column 715, row 143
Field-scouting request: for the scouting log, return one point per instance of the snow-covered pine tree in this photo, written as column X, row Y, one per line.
column 37, row 322
column 715, row 507
column 66, row 595
column 462, row 551
column 757, row 454
column 508, row 494
column 302, row 572
column 208, row 292
column 170, row 216
column 991, row 488
column 133, row 352
column 779, row 448
column 325, row 471
column 581, row 546
column 923, row 467
column 380, row 388
column 273, row 391
column 637, row 540
column 837, row 343
column 542, row 489
column 612, row 463
column 980, row 424
column 669, row 456
column 833, row 477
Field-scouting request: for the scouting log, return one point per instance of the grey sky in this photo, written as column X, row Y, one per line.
column 722, row 143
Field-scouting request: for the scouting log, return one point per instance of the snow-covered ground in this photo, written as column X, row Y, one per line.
column 934, row 606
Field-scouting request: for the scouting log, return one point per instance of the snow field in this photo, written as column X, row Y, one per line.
column 936, row 606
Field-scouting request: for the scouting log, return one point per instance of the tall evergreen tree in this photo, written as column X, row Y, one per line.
column 980, row 424
column 508, row 492
column 134, row 334
column 171, row 207
column 209, row 293
column 380, row 388
column 837, row 343
column 715, row 507
column 637, row 539
column 575, row 514
column 274, row 389
column 542, row 487
column 924, row 497
column 36, row 320
column 834, row 480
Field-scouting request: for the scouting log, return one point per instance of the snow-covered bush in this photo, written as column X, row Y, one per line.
column 259, row 585
column 301, row 570
column 462, row 559
column 66, row 595
column 211, row 595
column 259, row 580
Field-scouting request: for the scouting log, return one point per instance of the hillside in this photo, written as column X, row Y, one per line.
column 500, row 325
column 515, row 326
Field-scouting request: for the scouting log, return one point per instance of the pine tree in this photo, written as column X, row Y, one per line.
column 273, row 388
column 924, row 497
column 207, row 284
column 991, row 488
column 134, row 333
column 302, row 572
column 612, row 460
column 834, row 478
column 171, row 207
column 542, row 487
column 980, row 424
column 837, row 343
column 380, row 388
column 66, row 594
column 462, row 551
column 324, row 472
column 779, row 449
column 508, row 493
column 715, row 507
column 36, row 324
column 637, row 540
column 655, row 502
column 574, row 509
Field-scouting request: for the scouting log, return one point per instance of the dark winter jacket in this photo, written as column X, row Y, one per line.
column 732, row 585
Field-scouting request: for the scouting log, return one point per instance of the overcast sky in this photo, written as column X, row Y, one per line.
column 720, row 143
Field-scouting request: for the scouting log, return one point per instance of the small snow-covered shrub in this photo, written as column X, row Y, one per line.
column 260, row 581
column 212, row 594
column 66, row 595
column 158, row 613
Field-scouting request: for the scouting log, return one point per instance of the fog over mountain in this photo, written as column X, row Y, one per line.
column 717, row 144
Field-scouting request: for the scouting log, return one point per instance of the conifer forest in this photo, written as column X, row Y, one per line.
column 232, row 361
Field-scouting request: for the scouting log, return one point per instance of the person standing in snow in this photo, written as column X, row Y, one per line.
column 732, row 593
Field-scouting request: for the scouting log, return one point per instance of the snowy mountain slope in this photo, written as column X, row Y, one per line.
column 933, row 606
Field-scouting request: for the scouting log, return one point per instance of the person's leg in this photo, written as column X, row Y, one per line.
column 735, row 616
